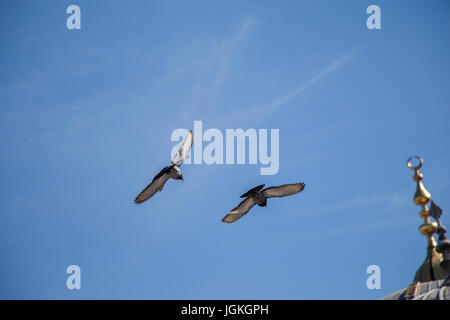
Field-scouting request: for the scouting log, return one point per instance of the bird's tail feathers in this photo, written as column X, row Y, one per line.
column 228, row 218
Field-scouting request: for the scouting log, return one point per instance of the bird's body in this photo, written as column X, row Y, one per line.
column 260, row 200
column 256, row 195
column 259, row 196
column 172, row 171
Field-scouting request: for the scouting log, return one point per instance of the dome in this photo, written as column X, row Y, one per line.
column 430, row 290
column 430, row 269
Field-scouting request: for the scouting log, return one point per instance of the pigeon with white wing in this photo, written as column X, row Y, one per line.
column 259, row 197
column 171, row 171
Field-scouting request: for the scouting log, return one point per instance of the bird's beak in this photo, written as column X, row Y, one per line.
column 182, row 178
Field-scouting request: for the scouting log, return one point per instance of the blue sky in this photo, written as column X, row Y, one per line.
column 85, row 123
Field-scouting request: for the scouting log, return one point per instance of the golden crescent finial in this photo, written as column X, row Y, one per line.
column 421, row 198
column 415, row 167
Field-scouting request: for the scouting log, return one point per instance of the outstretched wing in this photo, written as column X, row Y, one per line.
column 255, row 189
column 284, row 190
column 156, row 185
column 183, row 153
column 240, row 210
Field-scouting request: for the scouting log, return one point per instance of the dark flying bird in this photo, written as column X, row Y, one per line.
column 171, row 171
column 256, row 196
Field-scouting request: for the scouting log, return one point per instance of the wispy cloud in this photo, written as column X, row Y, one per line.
column 280, row 101
column 388, row 222
column 206, row 61
column 386, row 211
column 265, row 110
column 225, row 48
column 199, row 66
column 388, row 202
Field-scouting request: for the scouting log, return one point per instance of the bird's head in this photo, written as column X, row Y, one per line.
column 178, row 173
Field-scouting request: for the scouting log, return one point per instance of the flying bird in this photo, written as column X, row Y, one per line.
column 259, row 197
column 171, row 171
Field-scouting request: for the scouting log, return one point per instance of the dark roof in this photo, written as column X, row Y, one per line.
column 431, row 290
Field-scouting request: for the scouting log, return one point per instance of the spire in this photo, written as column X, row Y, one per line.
column 432, row 279
column 430, row 269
